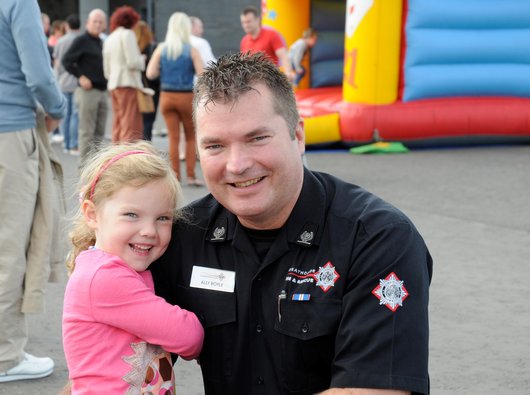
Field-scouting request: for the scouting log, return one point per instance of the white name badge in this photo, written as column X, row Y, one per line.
column 213, row 279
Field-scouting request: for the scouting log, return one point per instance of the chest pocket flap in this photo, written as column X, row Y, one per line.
column 308, row 320
column 213, row 308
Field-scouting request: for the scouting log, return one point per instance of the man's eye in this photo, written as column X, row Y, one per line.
column 261, row 138
column 212, row 147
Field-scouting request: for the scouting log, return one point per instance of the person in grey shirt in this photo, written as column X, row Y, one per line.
column 67, row 83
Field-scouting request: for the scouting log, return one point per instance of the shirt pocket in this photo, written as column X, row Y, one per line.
column 308, row 343
column 217, row 313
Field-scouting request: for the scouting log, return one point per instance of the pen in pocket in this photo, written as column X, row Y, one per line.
column 281, row 296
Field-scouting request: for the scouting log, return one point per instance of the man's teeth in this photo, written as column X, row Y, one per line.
column 247, row 183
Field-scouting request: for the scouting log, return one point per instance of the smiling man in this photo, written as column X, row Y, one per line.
column 304, row 283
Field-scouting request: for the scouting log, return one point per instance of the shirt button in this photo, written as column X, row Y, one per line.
column 259, row 328
column 260, row 380
column 305, row 328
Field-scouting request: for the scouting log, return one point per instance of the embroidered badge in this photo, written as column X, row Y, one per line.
column 219, row 233
column 391, row 292
column 326, row 276
column 306, row 237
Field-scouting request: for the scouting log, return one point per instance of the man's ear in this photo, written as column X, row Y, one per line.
column 88, row 208
column 300, row 136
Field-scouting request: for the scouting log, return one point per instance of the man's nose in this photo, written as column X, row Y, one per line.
column 239, row 160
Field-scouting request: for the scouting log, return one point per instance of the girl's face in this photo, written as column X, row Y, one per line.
column 134, row 223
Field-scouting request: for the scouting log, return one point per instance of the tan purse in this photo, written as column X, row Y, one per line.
column 144, row 97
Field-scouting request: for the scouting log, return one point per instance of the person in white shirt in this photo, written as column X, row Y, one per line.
column 200, row 43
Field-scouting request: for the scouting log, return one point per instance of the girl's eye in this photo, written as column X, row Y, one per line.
column 131, row 215
column 165, row 218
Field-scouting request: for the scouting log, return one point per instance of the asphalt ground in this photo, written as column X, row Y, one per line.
column 472, row 207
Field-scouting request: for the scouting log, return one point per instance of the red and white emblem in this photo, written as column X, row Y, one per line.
column 326, row 277
column 391, row 292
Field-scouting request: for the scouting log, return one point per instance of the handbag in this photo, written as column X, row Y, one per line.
column 146, row 104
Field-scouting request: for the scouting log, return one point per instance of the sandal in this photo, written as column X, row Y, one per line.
column 195, row 182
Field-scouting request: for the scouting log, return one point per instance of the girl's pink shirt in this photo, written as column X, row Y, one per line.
column 112, row 318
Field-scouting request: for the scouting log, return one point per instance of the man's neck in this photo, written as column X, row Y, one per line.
column 256, row 33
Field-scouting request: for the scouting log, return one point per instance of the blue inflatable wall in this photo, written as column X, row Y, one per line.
column 467, row 48
column 327, row 56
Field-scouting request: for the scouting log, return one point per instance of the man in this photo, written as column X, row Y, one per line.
column 25, row 264
column 200, row 43
column 266, row 39
column 68, row 84
column 84, row 59
column 304, row 283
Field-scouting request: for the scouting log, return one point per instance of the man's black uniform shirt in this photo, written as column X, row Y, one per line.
column 340, row 299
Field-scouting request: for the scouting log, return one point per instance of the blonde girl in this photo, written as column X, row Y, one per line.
column 117, row 333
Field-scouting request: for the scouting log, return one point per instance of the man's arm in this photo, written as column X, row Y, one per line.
column 35, row 58
column 71, row 57
column 383, row 334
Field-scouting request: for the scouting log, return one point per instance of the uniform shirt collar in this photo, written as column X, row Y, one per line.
column 304, row 226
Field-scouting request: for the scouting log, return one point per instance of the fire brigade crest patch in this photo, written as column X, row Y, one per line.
column 326, row 277
column 391, row 292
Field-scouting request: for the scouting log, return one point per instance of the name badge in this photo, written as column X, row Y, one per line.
column 213, row 279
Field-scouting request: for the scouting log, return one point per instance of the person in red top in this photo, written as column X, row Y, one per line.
column 262, row 38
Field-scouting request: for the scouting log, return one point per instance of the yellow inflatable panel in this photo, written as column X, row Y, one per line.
column 372, row 51
column 322, row 129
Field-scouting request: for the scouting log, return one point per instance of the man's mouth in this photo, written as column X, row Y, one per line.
column 247, row 183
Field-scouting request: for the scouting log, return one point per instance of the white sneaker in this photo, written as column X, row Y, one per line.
column 57, row 138
column 31, row 367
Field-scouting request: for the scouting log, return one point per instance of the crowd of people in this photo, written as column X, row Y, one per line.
column 281, row 280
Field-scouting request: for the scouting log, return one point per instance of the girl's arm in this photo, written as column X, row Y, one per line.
column 125, row 299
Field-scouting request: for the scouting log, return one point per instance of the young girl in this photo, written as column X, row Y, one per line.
column 117, row 334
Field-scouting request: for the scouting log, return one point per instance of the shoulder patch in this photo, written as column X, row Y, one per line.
column 391, row 292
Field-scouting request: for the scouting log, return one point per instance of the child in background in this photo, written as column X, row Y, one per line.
column 298, row 50
column 117, row 334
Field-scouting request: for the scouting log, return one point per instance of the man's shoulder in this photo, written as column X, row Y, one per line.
column 354, row 203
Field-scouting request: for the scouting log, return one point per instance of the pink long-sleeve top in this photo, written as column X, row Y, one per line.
column 117, row 334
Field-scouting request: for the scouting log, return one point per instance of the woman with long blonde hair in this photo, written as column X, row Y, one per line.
column 176, row 62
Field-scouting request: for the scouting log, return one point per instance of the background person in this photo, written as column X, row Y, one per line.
column 27, row 195
column 263, row 38
column 199, row 42
column 298, row 50
column 84, row 59
column 176, row 62
column 68, row 84
column 123, row 65
column 320, row 285
column 117, row 334
column 147, row 45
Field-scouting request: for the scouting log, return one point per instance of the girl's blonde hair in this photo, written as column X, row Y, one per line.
column 178, row 34
column 106, row 172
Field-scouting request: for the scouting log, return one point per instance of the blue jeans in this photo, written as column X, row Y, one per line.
column 70, row 123
column 299, row 76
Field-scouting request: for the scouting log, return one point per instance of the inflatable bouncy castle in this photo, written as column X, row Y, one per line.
column 422, row 72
